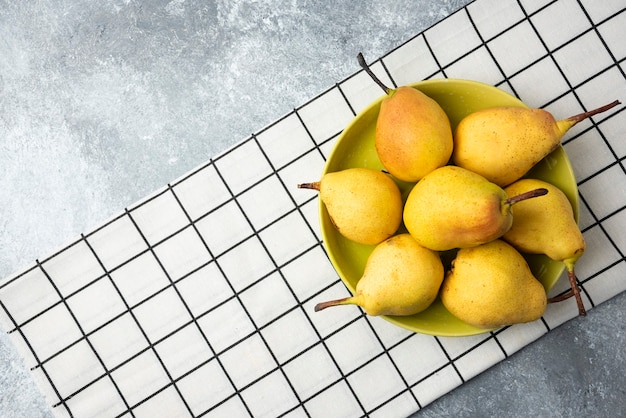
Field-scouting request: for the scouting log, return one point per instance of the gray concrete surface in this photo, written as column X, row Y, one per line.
column 103, row 102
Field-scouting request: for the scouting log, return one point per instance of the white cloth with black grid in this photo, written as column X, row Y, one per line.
column 198, row 299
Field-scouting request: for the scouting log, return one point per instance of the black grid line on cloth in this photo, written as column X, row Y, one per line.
column 166, row 238
column 286, row 282
column 114, row 270
column 42, row 363
column 30, row 347
column 317, row 146
column 78, row 324
column 234, row 344
column 302, row 403
column 259, row 334
column 191, row 316
column 200, row 329
column 159, row 292
column 257, row 328
column 322, row 340
column 149, row 347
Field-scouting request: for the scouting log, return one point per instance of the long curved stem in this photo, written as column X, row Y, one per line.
column 585, row 115
column 369, row 72
column 565, row 125
column 579, row 301
column 562, row 297
column 574, row 291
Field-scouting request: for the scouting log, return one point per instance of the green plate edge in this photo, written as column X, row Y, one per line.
column 355, row 148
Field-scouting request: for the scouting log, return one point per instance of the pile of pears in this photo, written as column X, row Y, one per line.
column 469, row 203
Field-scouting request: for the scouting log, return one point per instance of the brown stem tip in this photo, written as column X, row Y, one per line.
column 579, row 301
column 369, row 72
column 324, row 305
column 562, row 297
column 527, row 195
column 585, row 115
column 574, row 291
column 313, row 186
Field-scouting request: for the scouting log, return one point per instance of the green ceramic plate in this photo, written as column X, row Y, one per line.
column 355, row 148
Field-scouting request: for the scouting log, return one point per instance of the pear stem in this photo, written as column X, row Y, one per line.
column 574, row 291
column 324, row 305
column 369, row 72
column 581, row 116
column 526, row 195
column 562, row 297
column 313, row 185
column 571, row 276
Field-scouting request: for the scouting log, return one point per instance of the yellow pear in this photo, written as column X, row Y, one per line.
column 504, row 143
column 491, row 285
column 365, row 205
column 452, row 207
column 547, row 226
column 400, row 278
column 413, row 134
